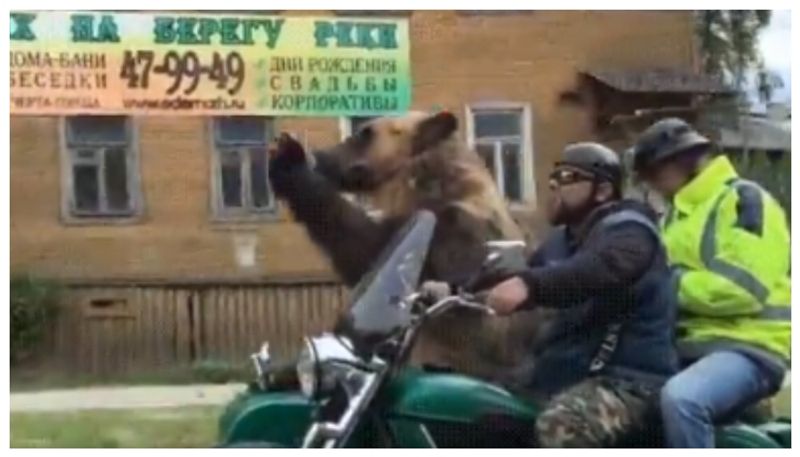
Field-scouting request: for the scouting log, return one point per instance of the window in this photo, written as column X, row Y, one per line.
column 493, row 12
column 241, row 185
column 501, row 136
column 100, row 177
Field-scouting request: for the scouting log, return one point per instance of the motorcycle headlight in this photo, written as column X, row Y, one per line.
column 319, row 365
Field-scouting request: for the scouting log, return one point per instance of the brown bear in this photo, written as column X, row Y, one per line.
column 404, row 164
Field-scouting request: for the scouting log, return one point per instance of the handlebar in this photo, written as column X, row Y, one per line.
column 468, row 301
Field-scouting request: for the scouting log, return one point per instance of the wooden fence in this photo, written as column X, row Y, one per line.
column 110, row 330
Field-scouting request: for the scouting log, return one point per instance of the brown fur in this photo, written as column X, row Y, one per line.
column 449, row 173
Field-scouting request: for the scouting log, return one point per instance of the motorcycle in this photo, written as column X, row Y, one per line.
column 356, row 388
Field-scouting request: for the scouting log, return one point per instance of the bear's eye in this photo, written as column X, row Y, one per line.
column 364, row 135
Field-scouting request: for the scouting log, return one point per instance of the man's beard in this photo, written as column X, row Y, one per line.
column 570, row 215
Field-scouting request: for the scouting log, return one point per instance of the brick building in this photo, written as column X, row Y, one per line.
column 124, row 207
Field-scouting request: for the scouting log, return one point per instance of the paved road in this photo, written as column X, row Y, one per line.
column 125, row 397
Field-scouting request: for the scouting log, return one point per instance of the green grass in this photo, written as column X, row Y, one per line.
column 188, row 427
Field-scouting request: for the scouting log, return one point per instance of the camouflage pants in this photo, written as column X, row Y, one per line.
column 597, row 412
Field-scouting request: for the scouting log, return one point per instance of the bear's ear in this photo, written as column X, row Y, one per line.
column 433, row 130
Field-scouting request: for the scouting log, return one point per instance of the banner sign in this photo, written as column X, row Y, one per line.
column 199, row 64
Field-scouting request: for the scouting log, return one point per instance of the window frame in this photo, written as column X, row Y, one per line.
column 70, row 214
column 474, row 13
column 247, row 213
column 373, row 13
column 528, row 199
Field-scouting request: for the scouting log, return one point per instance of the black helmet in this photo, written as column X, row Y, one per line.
column 664, row 139
column 596, row 159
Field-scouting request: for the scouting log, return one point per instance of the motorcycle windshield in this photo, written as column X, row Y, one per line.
column 379, row 309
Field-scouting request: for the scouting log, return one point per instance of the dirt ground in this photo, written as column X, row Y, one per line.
column 124, row 397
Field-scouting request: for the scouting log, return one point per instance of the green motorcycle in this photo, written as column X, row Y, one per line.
column 357, row 390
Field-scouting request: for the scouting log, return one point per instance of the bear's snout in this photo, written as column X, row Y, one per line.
column 358, row 176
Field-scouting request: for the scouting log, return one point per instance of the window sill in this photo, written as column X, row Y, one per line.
column 373, row 13
column 81, row 221
column 524, row 213
column 473, row 13
column 246, row 219
column 522, row 208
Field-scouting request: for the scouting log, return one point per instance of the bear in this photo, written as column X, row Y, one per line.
column 406, row 163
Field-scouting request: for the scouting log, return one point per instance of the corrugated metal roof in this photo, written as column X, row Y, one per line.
column 660, row 80
column 758, row 133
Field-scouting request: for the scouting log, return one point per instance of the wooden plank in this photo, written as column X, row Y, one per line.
column 276, row 328
column 151, row 297
column 219, row 323
column 146, row 356
column 76, row 339
column 172, row 317
column 207, row 317
column 227, row 322
column 251, row 326
column 129, row 346
column 205, row 314
column 330, row 305
column 288, row 317
column 197, row 324
column 314, row 319
column 162, row 348
column 305, row 311
column 216, row 314
column 262, row 315
column 240, row 338
column 91, row 327
column 243, row 337
column 109, row 342
column 290, row 308
column 65, row 338
column 182, row 330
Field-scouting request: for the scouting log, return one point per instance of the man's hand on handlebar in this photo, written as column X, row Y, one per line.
column 504, row 298
column 434, row 291
column 508, row 296
column 440, row 295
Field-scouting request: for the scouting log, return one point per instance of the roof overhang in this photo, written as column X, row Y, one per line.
column 660, row 80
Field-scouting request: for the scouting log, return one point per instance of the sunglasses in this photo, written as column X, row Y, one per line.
column 565, row 177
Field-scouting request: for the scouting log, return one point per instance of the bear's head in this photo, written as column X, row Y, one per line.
column 416, row 160
column 383, row 149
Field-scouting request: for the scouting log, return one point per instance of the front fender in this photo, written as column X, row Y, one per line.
column 276, row 417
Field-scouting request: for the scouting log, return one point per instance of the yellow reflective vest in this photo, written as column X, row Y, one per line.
column 729, row 239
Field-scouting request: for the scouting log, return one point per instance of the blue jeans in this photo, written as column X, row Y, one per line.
column 715, row 386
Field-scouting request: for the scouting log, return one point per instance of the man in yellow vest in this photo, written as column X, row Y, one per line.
column 728, row 238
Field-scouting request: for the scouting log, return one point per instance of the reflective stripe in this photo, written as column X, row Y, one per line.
column 708, row 254
column 776, row 313
column 750, row 210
